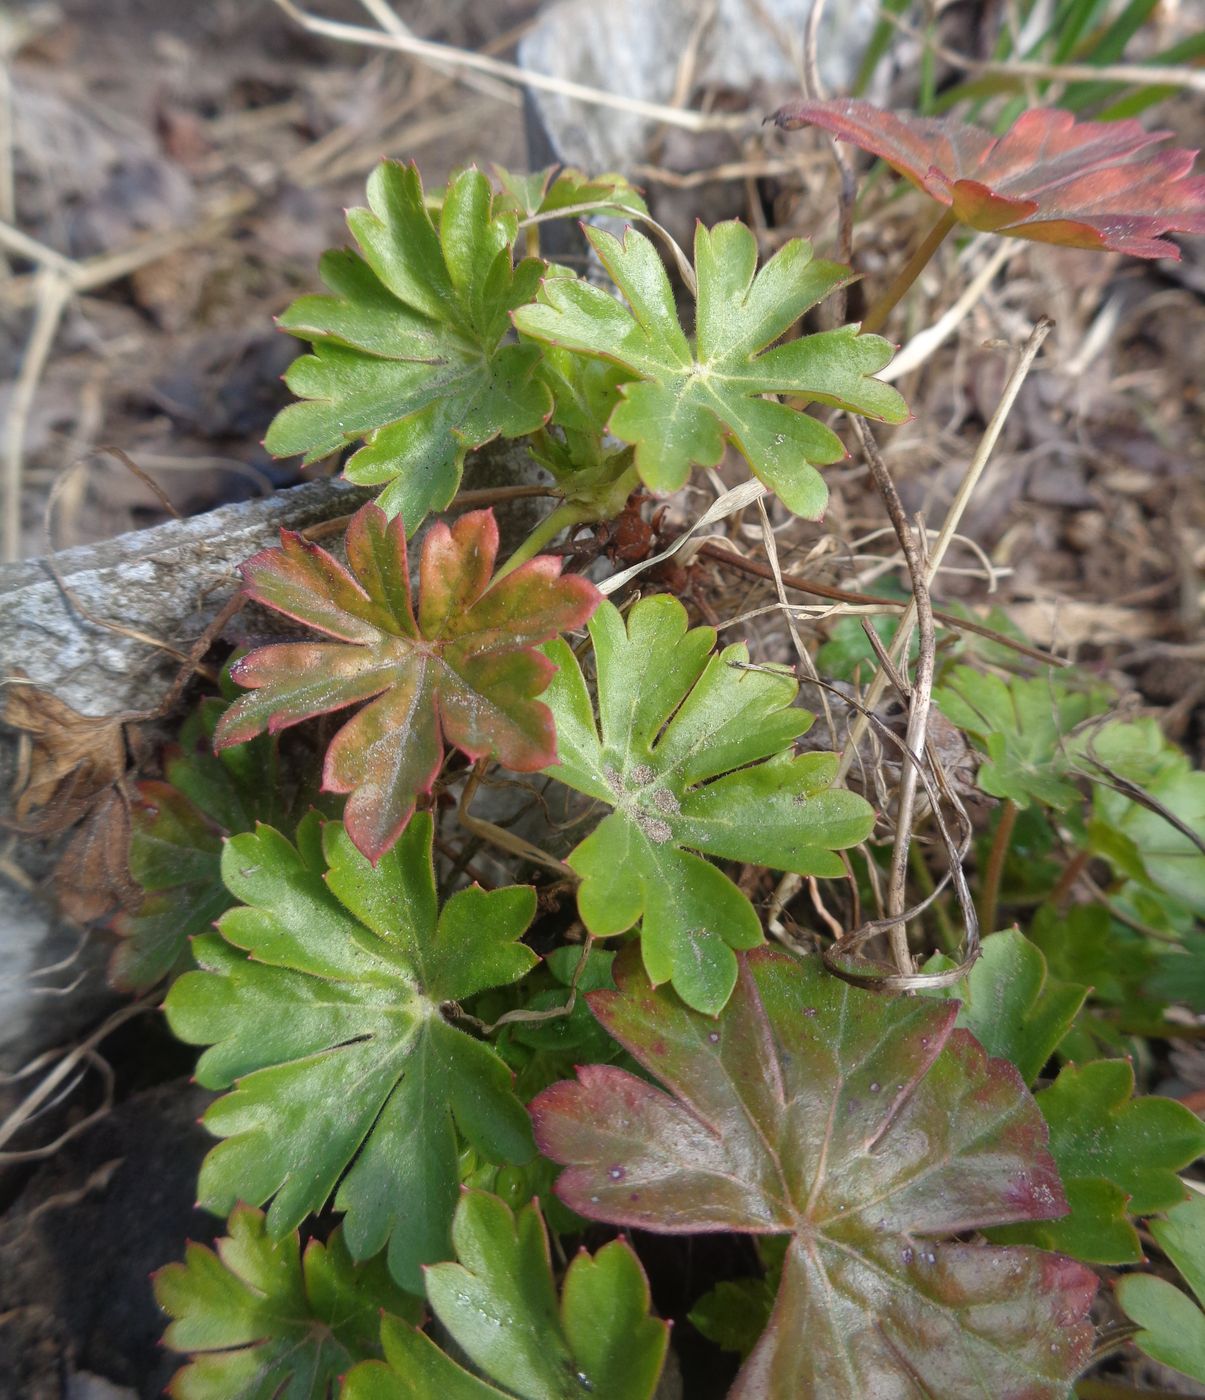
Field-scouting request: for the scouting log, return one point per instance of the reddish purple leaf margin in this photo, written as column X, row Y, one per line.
column 465, row 669
column 1049, row 177
column 864, row 1127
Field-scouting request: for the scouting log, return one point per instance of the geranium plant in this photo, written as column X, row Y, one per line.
column 490, row 1044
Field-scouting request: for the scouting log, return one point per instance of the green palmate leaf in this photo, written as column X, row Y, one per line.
column 499, row 1305
column 176, row 830
column 1084, row 944
column 409, row 351
column 322, row 1003
column 585, row 393
column 1118, row 1157
column 1010, row 1005
column 865, row 1129
column 1021, row 725
column 1140, row 838
column 551, row 191
column 1173, row 1325
column 675, row 716
column 265, row 1322
column 690, row 399
column 464, row 669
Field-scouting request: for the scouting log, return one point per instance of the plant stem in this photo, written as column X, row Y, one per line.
column 919, row 699
column 603, row 501
column 989, row 895
column 876, row 317
column 566, row 515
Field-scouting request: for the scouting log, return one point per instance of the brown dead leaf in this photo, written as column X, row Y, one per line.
column 92, row 876
column 68, row 759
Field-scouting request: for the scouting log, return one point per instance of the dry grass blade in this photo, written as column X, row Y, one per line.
column 466, row 59
column 949, row 528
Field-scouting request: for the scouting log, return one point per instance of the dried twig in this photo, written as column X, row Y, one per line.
column 919, row 699
column 467, row 60
column 949, row 528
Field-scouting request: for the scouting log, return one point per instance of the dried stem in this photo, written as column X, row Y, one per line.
column 919, row 701
column 949, row 528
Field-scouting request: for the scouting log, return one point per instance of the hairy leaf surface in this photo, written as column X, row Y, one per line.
column 322, row 1004
column 694, row 756
column 864, row 1128
column 1049, row 177
column 264, row 1321
column 408, row 350
column 688, row 400
column 464, row 668
column 499, row 1305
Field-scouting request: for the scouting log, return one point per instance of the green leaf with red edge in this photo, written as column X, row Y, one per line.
column 264, row 1321
column 685, row 402
column 410, row 352
column 867, row 1129
column 465, row 669
column 323, row 1004
column 1049, row 177
column 1118, row 1157
column 499, row 1305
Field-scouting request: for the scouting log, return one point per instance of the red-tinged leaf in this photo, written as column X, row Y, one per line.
column 465, row 670
column 866, row 1129
column 1049, row 177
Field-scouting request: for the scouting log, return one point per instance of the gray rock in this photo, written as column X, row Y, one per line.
column 632, row 47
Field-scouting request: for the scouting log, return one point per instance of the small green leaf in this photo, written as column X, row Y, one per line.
column 1118, row 1157
column 1010, row 1005
column 499, row 1306
column 1022, row 725
column 689, row 401
column 408, row 351
column 176, row 830
column 1180, row 974
column 1173, row 1326
column 868, row 1130
column 348, row 1078
column 694, row 756
column 735, row 1313
column 264, row 1322
column 464, row 668
column 550, row 191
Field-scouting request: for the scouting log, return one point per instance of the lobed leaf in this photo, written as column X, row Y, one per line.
column 263, row 1321
column 1009, row 1004
column 322, row 1004
column 1118, row 1157
column 866, row 1130
column 687, row 401
column 693, row 757
column 1173, row 1325
column 408, row 350
column 1049, row 177
column 465, row 669
column 176, row 831
column 499, row 1306
column 1022, row 725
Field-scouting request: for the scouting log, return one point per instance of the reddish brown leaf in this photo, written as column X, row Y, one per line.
column 466, row 669
column 868, row 1130
column 1049, row 177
